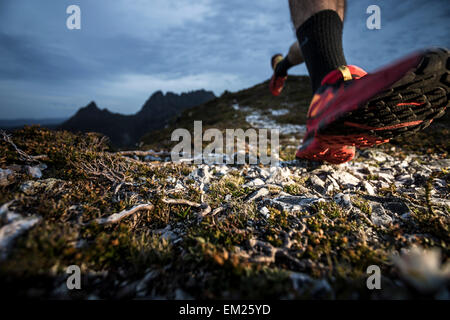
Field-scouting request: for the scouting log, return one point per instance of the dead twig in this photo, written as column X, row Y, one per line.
column 23, row 156
column 182, row 202
column 205, row 208
column 217, row 210
column 205, row 211
column 116, row 217
column 106, row 167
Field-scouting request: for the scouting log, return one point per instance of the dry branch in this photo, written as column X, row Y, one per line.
column 182, row 202
column 22, row 154
column 206, row 209
column 116, row 217
column 107, row 168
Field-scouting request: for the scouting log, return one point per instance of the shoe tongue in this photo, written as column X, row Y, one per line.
column 333, row 77
column 344, row 73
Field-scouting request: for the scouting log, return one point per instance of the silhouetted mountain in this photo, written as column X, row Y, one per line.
column 125, row 130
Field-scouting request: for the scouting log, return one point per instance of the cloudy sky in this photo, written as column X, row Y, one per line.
column 127, row 49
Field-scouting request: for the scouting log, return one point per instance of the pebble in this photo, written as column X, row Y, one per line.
column 379, row 216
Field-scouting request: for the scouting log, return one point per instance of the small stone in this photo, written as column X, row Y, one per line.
column 345, row 179
column 369, row 188
column 386, row 177
column 29, row 187
column 318, row 184
column 265, row 212
column 169, row 236
column 279, row 176
column 406, row 216
column 254, row 183
column 258, row 194
column 263, row 173
column 343, row 200
column 221, row 170
column 202, row 174
column 293, row 203
column 11, row 231
column 379, row 216
column 34, row 172
column 171, row 179
column 332, row 184
column 179, row 186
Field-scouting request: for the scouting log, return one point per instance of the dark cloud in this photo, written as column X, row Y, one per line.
column 126, row 51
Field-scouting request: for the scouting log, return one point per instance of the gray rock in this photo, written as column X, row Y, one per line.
column 317, row 183
column 221, row 170
column 345, row 179
column 343, row 200
column 293, row 203
column 386, row 177
column 368, row 187
column 202, row 174
column 166, row 233
column 258, row 194
column 34, row 172
column 254, row 183
column 405, row 179
column 11, row 231
column 280, row 176
column 379, row 216
column 179, row 186
column 263, row 173
column 265, row 212
column 331, row 184
column 30, row 187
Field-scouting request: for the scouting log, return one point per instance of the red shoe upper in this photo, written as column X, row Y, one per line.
column 330, row 85
column 276, row 83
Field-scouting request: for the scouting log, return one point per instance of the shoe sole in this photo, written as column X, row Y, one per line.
column 409, row 105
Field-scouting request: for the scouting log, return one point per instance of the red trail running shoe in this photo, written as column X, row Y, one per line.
column 276, row 84
column 355, row 109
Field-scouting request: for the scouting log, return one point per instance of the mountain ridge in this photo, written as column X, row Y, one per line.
column 126, row 130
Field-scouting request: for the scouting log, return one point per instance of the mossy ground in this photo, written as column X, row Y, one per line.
column 85, row 180
column 204, row 262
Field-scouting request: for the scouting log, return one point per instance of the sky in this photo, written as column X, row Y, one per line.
column 128, row 49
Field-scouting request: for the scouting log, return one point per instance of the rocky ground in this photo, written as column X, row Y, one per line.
column 140, row 226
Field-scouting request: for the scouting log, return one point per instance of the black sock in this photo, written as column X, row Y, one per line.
column 282, row 67
column 320, row 39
